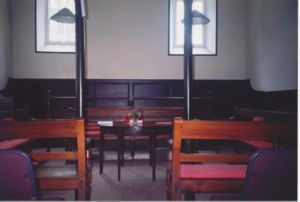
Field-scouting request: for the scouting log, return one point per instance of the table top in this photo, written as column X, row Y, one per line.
column 150, row 127
column 144, row 123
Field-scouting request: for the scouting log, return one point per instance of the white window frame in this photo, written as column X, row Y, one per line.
column 42, row 32
column 209, row 45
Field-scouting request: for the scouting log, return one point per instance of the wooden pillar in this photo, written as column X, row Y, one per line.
column 80, row 62
column 188, row 58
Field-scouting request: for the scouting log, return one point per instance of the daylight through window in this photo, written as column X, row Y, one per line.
column 53, row 36
column 203, row 37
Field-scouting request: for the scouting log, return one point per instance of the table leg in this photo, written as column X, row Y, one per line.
column 101, row 153
column 150, row 150
column 122, row 148
column 153, row 156
column 119, row 156
column 132, row 147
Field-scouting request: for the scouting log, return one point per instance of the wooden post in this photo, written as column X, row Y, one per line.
column 188, row 58
column 80, row 62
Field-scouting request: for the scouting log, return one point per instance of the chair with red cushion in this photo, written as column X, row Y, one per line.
column 271, row 175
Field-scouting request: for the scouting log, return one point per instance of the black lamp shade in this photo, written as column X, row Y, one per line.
column 64, row 16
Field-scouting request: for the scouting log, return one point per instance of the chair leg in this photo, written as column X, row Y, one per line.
column 150, row 151
column 101, row 153
column 120, row 154
column 176, row 195
column 132, row 147
column 153, row 157
column 122, row 149
column 169, row 180
column 189, row 196
column 81, row 192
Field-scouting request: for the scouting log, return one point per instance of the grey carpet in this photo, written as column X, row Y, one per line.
column 136, row 180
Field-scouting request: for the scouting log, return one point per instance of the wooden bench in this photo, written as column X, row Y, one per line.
column 222, row 172
column 248, row 114
column 54, row 178
column 13, row 115
column 161, row 112
column 16, row 114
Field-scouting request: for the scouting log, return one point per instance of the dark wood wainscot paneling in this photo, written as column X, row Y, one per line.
column 211, row 99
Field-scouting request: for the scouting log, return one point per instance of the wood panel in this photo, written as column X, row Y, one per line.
column 211, row 99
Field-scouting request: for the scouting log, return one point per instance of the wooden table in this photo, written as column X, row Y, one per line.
column 120, row 128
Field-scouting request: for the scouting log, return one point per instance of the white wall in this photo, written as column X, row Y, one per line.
column 272, row 44
column 26, row 63
column 128, row 39
column 5, row 49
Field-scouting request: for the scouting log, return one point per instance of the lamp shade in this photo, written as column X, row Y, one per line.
column 64, row 16
column 198, row 18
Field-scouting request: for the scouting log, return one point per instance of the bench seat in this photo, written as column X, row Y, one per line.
column 213, row 171
column 259, row 144
column 11, row 144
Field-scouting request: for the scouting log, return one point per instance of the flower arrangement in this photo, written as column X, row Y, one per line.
column 134, row 116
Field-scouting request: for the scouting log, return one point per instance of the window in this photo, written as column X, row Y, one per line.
column 52, row 36
column 203, row 37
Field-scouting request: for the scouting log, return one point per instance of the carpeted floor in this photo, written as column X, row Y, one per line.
column 136, row 180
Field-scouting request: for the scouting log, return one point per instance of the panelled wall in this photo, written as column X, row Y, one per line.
column 211, row 98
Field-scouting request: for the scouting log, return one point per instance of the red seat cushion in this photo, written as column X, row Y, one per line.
column 213, row 171
column 259, row 144
column 92, row 128
column 92, row 133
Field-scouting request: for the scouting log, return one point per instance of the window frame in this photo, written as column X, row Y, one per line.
column 46, row 29
column 172, row 28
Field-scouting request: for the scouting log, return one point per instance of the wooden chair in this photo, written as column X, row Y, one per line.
column 55, row 179
column 203, row 172
column 161, row 113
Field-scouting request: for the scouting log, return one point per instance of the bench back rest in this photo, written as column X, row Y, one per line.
column 50, row 129
column 248, row 114
column 106, row 113
column 163, row 112
column 16, row 114
column 280, row 132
